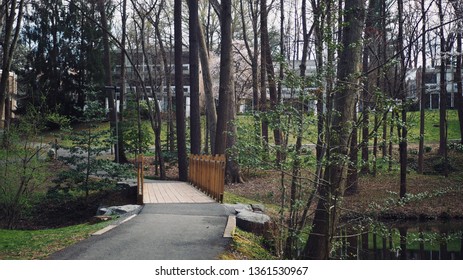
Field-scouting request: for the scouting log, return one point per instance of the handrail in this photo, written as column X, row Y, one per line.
column 208, row 174
column 140, row 181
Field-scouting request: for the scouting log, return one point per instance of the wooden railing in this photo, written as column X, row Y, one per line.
column 208, row 174
column 140, row 174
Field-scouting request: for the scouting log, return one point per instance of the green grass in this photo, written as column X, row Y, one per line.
column 431, row 125
column 231, row 198
column 413, row 118
column 39, row 244
column 431, row 128
column 247, row 246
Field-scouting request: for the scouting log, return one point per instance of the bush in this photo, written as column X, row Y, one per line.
column 88, row 172
column 22, row 169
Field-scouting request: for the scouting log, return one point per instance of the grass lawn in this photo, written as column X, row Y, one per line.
column 310, row 133
column 431, row 125
column 39, row 244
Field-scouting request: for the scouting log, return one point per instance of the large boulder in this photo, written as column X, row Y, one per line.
column 258, row 208
column 236, row 208
column 118, row 210
column 255, row 222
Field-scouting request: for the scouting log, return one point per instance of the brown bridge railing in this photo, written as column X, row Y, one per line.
column 140, row 175
column 208, row 174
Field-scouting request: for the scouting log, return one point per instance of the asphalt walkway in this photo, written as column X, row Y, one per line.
column 159, row 232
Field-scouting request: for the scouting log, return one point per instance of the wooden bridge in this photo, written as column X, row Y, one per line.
column 206, row 183
column 173, row 192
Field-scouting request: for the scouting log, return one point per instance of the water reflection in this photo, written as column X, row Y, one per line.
column 401, row 241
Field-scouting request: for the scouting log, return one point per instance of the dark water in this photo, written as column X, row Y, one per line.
column 396, row 241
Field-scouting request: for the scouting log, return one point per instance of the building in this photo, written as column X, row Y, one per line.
column 432, row 81
column 288, row 95
column 155, row 66
column 11, row 100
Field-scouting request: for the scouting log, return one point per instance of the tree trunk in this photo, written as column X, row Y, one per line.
column 352, row 173
column 266, row 52
column 403, row 130
column 327, row 213
column 422, row 89
column 263, row 83
column 366, row 97
column 167, row 78
column 233, row 168
column 459, row 99
column 211, row 111
column 179, row 97
column 195, row 114
column 319, row 36
column 120, row 137
column 109, row 87
column 226, row 77
column 155, row 120
column 443, row 93
column 12, row 27
column 253, row 57
column 458, row 7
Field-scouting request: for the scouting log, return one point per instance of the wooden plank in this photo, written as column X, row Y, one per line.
column 173, row 192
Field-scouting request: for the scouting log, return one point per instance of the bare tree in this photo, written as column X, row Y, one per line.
column 109, row 87
column 226, row 76
column 167, row 76
column 11, row 18
column 402, row 126
column 211, row 112
column 263, row 70
column 327, row 213
column 120, row 137
column 252, row 54
column 422, row 89
column 458, row 7
column 266, row 55
column 179, row 97
column 195, row 114
column 154, row 113
column 445, row 48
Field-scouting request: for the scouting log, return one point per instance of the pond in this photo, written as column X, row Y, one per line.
column 400, row 241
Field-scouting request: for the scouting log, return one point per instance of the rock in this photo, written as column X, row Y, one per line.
column 122, row 185
column 100, row 218
column 51, row 154
column 117, row 210
column 253, row 222
column 102, row 211
column 237, row 208
column 258, row 208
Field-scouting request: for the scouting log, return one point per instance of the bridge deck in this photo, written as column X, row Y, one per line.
column 173, row 192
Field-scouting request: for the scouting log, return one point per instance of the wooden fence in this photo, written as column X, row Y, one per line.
column 140, row 174
column 208, row 174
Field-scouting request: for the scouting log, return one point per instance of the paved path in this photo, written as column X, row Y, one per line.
column 161, row 231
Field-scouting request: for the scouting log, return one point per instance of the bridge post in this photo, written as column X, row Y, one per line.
column 140, row 182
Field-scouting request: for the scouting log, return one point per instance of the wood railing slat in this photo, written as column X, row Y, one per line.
column 208, row 174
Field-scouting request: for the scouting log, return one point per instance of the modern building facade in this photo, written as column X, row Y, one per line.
column 154, row 79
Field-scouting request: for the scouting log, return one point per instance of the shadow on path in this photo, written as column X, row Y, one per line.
column 159, row 232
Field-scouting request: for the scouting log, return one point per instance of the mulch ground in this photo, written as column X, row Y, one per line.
column 432, row 196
